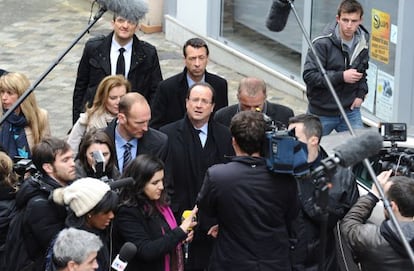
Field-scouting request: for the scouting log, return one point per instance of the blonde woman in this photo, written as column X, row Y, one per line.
column 103, row 110
column 28, row 124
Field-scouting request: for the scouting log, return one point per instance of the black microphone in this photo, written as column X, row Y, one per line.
column 121, row 182
column 127, row 252
column 133, row 10
column 278, row 15
column 352, row 151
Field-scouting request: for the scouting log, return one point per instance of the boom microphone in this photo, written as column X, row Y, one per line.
column 353, row 151
column 133, row 10
column 121, row 182
column 127, row 252
column 278, row 15
column 358, row 148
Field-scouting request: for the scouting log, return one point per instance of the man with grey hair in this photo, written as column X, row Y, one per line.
column 251, row 95
column 75, row 250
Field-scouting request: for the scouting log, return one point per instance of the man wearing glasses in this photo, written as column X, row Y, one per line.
column 120, row 52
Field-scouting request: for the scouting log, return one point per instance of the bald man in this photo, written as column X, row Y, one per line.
column 130, row 131
column 251, row 95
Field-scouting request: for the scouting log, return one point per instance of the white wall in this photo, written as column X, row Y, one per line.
column 193, row 14
column 154, row 15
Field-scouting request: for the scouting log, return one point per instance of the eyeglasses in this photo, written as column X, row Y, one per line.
column 200, row 100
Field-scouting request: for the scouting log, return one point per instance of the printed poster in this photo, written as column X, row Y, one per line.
column 385, row 96
column 369, row 101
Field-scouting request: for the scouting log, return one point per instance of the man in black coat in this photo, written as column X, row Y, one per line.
column 196, row 142
column 169, row 103
column 100, row 56
column 42, row 218
column 251, row 95
column 253, row 206
column 130, row 132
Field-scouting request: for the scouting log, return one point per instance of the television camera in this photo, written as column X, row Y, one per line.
column 391, row 156
column 282, row 151
column 399, row 159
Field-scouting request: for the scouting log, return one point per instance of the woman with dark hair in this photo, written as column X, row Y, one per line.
column 92, row 205
column 145, row 219
column 96, row 141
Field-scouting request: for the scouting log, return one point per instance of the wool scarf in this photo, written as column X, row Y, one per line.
column 13, row 137
column 176, row 258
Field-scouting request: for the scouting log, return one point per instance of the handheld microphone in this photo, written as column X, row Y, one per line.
column 99, row 165
column 133, row 10
column 185, row 215
column 121, row 182
column 278, row 15
column 352, row 151
column 127, row 252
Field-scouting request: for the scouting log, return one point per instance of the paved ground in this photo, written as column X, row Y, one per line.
column 35, row 33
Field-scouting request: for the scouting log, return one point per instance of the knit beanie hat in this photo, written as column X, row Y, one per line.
column 82, row 195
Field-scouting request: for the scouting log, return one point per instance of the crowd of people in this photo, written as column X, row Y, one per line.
column 197, row 193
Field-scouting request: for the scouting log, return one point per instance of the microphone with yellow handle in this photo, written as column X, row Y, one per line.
column 186, row 214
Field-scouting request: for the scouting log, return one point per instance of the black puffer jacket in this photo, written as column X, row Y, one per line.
column 7, row 210
column 377, row 248
column 335, row 60
column 43, row 219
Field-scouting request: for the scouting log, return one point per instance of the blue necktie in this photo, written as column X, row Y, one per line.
column 127, row 155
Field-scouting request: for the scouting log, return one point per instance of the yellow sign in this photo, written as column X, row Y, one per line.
column 380, row 36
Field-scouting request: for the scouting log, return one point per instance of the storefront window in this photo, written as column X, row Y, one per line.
column 243, row 27
column 380, row 19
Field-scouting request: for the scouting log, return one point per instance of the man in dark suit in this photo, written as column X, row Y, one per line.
column 169, row 103
column 253, row 206
column 196, row 142
column 131, row 134
column 252, row 96
column 102, row 57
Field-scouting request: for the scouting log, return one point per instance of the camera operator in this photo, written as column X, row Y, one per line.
column 253, row 206
column 342, row 194
column 379, row 247
column 42, row 218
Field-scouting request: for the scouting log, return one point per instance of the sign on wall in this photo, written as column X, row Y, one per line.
column 380, row 36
